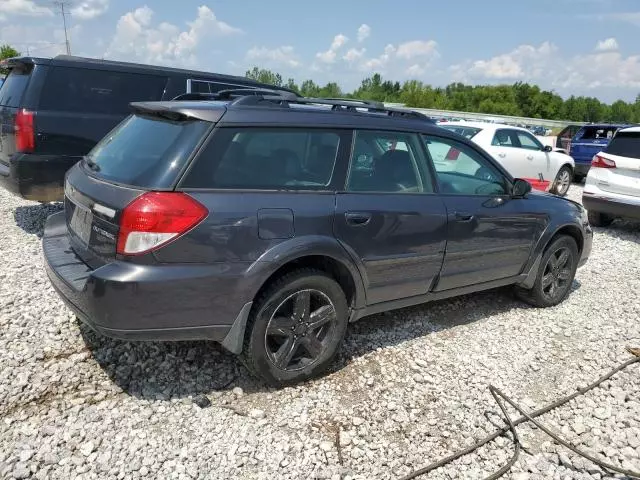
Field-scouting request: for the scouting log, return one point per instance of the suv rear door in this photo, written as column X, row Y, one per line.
column 389, row 217
column 11, row 94
column 624, row 178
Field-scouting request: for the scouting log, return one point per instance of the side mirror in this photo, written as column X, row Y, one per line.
column 547, row 148
column 520, row 188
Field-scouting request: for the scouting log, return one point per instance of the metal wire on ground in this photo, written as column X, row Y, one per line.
column 500, row 397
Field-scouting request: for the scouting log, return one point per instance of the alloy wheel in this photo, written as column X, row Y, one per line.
column 557, row 273
column 563, row 182
column 300, row 329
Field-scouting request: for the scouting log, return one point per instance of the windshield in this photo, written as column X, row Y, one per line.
column 145, row 151
column 467, row 132
column 625, row 144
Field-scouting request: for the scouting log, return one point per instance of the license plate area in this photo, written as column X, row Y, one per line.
column 80, row 223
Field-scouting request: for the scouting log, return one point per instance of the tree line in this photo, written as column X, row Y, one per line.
column 520, row 99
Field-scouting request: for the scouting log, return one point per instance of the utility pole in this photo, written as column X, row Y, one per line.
column 64, row 14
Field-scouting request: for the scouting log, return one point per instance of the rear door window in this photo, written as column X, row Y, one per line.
column 145, row 151
column 596, row 133
column 266, row 159
column 13, row 88
column 625, row 144
column 98, row 91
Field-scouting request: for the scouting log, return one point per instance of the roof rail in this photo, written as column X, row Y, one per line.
column 230, row 94
column 373, row 103
column 335, row 105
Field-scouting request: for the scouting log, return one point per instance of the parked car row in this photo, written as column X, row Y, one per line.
column 520, row 153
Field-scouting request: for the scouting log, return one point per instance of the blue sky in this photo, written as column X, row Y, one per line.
column 584, row 47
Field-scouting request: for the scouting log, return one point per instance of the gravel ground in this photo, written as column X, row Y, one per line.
column 409, row 387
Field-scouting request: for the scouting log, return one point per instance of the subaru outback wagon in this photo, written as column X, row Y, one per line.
column 268, row 225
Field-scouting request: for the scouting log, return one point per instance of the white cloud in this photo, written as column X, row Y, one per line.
column 354, row 54
column 608, row 45
column 379, row 63
column 330, row 55
column 545, row 65
column 280, row 56
column 137, row 39
column 89, row 9
column 523, row 62
column 363, row 32
column 24, row 7
column 416, row 48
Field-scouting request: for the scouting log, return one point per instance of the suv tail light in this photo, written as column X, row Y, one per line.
column 602, row 162
column 25, row 138
column 452, row 154
column 156, row 218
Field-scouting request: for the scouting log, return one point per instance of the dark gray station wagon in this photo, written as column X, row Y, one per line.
column 268, row 224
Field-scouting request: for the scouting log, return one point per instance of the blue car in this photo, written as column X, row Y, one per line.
column 588, row 141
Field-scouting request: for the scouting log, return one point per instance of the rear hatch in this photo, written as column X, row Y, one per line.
column 11, row 94
column 590, row 140
column 145, row 152
column 624, row 178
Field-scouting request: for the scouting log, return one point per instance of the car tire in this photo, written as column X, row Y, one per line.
column 280, row 336
column 597, row 219
column 562, row 181
column 555, row 275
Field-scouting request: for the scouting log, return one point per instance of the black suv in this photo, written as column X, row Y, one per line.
column 268, row 225
column 54, row 111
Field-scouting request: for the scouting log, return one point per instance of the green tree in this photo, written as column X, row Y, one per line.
column 7, row 51
column 264, row 76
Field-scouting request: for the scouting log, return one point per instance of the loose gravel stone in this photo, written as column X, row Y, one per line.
column 409, row 387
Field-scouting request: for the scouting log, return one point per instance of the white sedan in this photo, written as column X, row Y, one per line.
column 519, row 152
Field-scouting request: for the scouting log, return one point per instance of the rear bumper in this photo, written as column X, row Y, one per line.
column 36, row 177
column 617, row 206
column 146, row 302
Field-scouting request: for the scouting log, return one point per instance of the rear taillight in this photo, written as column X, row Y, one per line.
column 452, row 154
column 25, row 138
column 156, row 218
column 601, row 162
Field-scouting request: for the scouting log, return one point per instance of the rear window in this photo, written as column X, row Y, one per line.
column 98, row 91
column 467, row 132
column 269, row 159
column 146, row 152
column 13, row 88
column 597, row 133
column 625, row 144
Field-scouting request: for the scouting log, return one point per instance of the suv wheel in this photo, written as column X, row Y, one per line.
column 555, row 276
column 598, row 219
column 295, row 328
column 562, row 182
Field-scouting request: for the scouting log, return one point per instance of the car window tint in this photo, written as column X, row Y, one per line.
column 268, row 159
column 390, row 162
column 98, row 91
column 528, row 141
column 505, row 138
column 461, row 170
column 625, row 144
column 467, row 132
column 13, row 88
column 597, row 133
column 146, row 151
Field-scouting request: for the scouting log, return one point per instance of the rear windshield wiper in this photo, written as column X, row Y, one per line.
column 91, row 164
